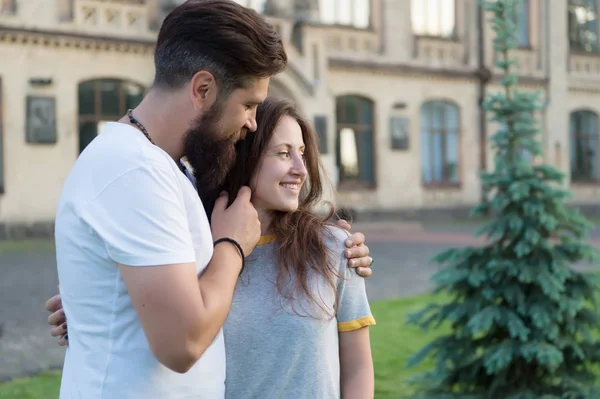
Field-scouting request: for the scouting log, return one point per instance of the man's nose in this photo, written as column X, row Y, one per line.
column 251, row 124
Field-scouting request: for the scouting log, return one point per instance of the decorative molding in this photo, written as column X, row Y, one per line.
column 77, row 41
column 404, row 69
column 122, row 16
column 587, row 89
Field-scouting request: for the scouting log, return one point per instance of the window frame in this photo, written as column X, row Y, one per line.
column 577, row 136
column 9, row 7
column 337, row 5
column 251, row 4
column 358, row 128
column 444, row 131
column 2, row 152
column 98, row 116
column 427, row 34
column 527, row 9
column 580, row 49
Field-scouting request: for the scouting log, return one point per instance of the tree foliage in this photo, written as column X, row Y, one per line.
column 523, row 323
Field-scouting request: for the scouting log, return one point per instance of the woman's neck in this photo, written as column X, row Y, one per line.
column 265, row 217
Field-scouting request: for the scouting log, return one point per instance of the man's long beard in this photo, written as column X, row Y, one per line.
column 211, row 154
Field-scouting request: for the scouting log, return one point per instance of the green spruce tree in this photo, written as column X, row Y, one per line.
column 523, row 322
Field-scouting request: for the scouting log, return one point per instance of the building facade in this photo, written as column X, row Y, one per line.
column 393, row 88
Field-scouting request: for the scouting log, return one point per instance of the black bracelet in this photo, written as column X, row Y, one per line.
column 239, row 247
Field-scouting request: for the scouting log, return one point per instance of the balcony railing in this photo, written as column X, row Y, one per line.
column 439, row 52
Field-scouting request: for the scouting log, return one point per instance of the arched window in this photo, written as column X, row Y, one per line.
column 354, row 144
column 440, row 143
column 584, row 145
column 104, row 100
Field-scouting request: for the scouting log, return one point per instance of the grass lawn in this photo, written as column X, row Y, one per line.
column 42, row 386
column 7, row 247
column 392, row 343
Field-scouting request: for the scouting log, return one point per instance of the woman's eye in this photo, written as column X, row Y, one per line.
column 284, row 154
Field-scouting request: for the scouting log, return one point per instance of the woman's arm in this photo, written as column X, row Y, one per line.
column 357, row 378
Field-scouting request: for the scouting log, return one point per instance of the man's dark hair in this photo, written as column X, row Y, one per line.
column 232, row 42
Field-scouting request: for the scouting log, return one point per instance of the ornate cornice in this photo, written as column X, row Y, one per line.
column 424, row 71
column 590, row 89
column 402, row 69
column 78, row 41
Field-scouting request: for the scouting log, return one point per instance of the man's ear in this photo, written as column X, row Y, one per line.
column 203, row 90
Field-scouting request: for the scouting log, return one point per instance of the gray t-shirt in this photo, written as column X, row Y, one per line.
column 272, row 352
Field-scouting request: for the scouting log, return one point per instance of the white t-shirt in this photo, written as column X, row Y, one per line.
column 126, row 201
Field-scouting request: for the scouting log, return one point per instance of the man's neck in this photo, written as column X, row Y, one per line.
column 162, row 117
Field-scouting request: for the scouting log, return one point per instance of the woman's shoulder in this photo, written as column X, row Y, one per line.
column 335, row 238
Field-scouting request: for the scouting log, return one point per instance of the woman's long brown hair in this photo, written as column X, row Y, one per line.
column 301, row 251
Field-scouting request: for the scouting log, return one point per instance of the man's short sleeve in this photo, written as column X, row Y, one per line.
column 353, row 310
column 142, row 219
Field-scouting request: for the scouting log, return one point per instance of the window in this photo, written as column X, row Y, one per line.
column 8, row 6
column 66, row 10
column 355, row 13
column 440, row 143
column 433, row 18
column 1, row 143
column 522, row 22
column 258, row 5
column 584, row 146
column 354, row 146
column 583, row 29
column 104, row 100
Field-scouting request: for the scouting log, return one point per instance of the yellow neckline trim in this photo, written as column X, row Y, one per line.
column 266, row 240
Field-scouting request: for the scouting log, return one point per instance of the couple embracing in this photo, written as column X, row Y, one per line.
column 191, row 259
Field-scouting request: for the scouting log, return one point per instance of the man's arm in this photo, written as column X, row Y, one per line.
column 159, row 310
column 180, row 327
column 143, row 222
column 181, row 315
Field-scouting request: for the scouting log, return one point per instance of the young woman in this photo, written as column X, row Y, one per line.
column 298, row 323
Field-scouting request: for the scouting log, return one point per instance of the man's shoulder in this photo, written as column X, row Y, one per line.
column 122, row 147
column 119, row 153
